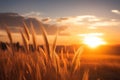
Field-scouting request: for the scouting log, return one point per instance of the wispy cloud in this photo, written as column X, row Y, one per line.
column 87, row 23
column 46, row 20
column 38, row 16
column 78, row 19
column 74, row 25
column 115, row 11
column 62, row 19
column 92, row 34
column 33, row 14
column 103, row 24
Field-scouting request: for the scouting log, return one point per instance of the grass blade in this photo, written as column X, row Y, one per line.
column 86, row 75
column 25, row 42
column 34, row 37
column 76, row 59
column 55, row 40
column 44, row 34
column 26, row 31
column 10, row 39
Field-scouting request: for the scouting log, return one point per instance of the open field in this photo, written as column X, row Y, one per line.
column 33, row 66
column 36, row 63
column 59, row 39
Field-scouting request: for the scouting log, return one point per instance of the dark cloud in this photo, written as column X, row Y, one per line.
column 11, row 19
column 15, row 21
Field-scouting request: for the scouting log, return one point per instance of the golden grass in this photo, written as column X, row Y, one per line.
column 25, row 42
column 27, row 33
column 34, row 37
column 42, row 64
column 10, row 39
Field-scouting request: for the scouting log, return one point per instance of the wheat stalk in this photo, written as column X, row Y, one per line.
column 86, row 75
column 46, row 46
column 26, row 31
column 55, row 40
column 43, row 54
column 10, row 39
column 76, row 59
column 34, row 37
column 25, row 41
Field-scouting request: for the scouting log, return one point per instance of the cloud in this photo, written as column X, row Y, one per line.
column 62, row 19
column 88, row 18
column 103, row 24
column 67, row 25
column 78, row 19
column 38, row 16
column 46, row 20
column 31, row 14
column 15, row 21
column 87, row 23
column 115, row 11
column 91, row 34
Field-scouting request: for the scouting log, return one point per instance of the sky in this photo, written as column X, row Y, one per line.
column 81, row 17
column 60, row 8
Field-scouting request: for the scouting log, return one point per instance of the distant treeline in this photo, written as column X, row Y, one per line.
column 108, row 49
column 59, row 48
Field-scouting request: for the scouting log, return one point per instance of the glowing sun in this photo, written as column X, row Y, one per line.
column 93, row 41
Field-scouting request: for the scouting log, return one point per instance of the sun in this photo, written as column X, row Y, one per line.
column 93, row 41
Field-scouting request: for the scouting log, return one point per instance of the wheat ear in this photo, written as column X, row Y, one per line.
column 10, row 39
column 34, row 37
column 44, row 34
column 27, row 33
column 25, row 42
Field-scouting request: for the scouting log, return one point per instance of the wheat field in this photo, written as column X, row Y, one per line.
column 40, row 63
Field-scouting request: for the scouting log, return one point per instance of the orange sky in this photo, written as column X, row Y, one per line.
column 78, row 17
column 78, row 26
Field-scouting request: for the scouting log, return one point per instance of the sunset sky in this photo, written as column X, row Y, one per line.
column 79, row 17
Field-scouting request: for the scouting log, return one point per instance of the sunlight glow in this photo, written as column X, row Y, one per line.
column 93, row 41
